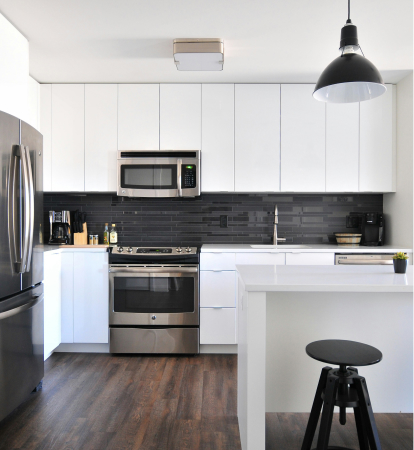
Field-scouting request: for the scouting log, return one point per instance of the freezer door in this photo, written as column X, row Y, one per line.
column 21, row 347
column 32, row 141
column 9, row 206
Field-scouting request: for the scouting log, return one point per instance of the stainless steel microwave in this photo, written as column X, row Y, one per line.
column 159, row 173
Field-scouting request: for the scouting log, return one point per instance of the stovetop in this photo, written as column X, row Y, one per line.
column 154, row 251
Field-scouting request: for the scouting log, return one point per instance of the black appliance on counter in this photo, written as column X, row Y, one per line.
column 60, row 228
column 154, row 300
column 372, row 229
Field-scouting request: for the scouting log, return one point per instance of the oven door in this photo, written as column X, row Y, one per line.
column 153, row 295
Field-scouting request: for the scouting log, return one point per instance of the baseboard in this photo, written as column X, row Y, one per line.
column 218, row 348
column 83, row 348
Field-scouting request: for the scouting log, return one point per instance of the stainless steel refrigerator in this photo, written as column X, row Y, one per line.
column 21, row 261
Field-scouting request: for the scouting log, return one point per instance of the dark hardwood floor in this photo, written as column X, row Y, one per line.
column 100, row 401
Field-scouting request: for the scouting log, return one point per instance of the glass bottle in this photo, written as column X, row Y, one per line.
column 113, row 236
column 106, row 235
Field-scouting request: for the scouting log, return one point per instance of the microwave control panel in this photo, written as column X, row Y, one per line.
column 188, row 176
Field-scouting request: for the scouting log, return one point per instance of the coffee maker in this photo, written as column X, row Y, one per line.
column 372, row 229
column 60, row 229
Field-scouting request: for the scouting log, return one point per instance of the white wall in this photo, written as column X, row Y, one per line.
column 14, row 70
column 398, row 206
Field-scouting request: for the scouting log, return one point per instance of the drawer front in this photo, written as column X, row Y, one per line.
column 310, row 259
column 277, row 259
column 218, row 289
column 217, row 261
column 218, row 326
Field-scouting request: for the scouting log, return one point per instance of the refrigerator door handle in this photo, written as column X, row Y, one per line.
column 26, row 210
column 30, row 225
column 12, row 211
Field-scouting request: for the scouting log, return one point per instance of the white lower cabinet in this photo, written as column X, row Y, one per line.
column 90, row 299
column 277, row 259
column 84, row 297
column 310, row 259
column 218, row 289
column 52, row 302
column 218, row 326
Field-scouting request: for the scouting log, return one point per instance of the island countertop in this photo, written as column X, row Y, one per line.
column 272, row 278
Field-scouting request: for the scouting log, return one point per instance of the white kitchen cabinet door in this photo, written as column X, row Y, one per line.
column 45, row 127
column 138, row 116
column 310, row 259
column 302, row 139
column 90, row 298
column 52, row 302
column 101, row 119
column 342, row 147
column 257, row 137
column 218, row 326
column 68, row 137
column 218, row 289
column 67, row 297
column 217, row 261
column 277, row 259
column 378, row 143
column 217, row 144
column 180, row 116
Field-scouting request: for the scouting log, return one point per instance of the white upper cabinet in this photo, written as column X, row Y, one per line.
column 180, row 116
column 45, row 127
column 302, row 139
column 217, row 145
column 378, row 143
column 342, row 147
column 257, row 137
column 138, row 116
column 100, row 137
column 68, row 137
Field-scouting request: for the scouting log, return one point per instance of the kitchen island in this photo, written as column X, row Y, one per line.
column 283, row 308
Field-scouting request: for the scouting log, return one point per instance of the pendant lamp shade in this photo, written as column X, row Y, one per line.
column 350, row 77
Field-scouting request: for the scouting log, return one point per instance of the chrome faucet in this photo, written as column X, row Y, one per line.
column 275, row 238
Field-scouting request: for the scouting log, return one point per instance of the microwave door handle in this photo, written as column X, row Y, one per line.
column 12, row 210
column 31, row 210
column 179, row 189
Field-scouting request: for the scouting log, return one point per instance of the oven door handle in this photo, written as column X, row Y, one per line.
column 136, row 270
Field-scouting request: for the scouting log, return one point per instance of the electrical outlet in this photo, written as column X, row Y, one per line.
column 223, row 221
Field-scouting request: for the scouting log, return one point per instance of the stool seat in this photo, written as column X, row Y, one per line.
column 343, row 353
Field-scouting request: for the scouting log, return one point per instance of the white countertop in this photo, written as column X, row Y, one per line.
column 310, row 248
column 73, row 248
column 271, row 278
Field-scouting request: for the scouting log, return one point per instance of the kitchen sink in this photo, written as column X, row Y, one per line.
column 280, row 246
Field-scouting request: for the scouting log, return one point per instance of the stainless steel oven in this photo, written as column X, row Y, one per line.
column 154, row 300
column 165, row 173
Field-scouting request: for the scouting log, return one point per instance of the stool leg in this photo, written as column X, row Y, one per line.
column 362, row 435
column 367, row 413
column 315, row 411
column 327, row 412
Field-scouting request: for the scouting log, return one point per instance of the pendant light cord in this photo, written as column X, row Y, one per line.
column 349, row 10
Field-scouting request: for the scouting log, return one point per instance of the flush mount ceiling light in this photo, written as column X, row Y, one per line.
column 350, row 77
column 199, row 54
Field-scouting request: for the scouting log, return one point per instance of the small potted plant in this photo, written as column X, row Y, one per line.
column 400, row 262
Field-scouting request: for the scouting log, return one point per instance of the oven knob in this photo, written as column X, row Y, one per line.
column 129, row 249
column 120, row 249
column 188, row 250
column 179, row 249
column 153, row 317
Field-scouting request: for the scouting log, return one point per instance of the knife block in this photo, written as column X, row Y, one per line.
column 81, row 238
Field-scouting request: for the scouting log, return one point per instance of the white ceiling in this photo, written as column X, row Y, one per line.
column 264, row 41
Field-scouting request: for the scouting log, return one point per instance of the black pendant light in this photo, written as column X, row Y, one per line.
column 350, row 77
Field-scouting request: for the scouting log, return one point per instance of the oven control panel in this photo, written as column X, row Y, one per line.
column 154, row 251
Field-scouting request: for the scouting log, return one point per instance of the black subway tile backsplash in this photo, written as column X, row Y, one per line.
column 303, row 218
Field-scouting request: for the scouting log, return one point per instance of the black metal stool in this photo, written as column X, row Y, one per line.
column 342, row 387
